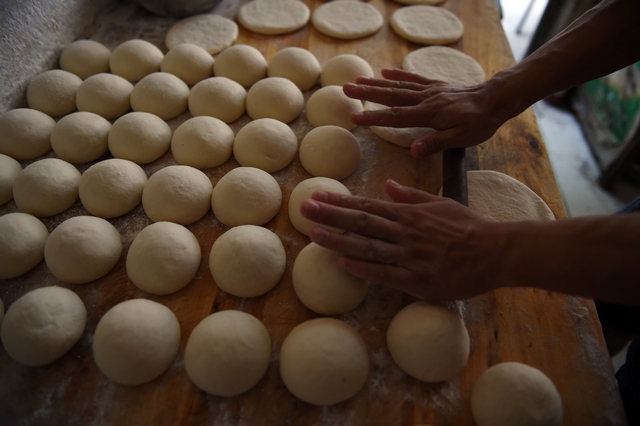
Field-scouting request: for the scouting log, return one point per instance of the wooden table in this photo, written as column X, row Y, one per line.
column 557, row 334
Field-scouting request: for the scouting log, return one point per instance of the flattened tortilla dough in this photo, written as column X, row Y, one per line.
column 273, row 16
column 211, row 32
column 347, row 19
column 445, row 64
column 426, row 24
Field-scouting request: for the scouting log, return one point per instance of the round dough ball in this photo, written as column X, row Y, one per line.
column 265, row 143
column 43, row 325
column 445, row 64
column 273, row 16
column 303, row 191
column 295, row 64
column 512, row 393
column 140, row 137
column 85, row 58
column 9, row 169
column 188, row 62
column 347, row 20
column 112, row 187
column 136, row 341
column 275, row 97
column 343, row 69
column 179, row 194
column 241, row 63
column 329, row 105
column 163, row 258
column 53, row 92
column 218, row 97
column 212, row 32
column 162, row 94
column 46, row 187
column 246, row 196
column 324, row 287
column 22, row 240
column 202, row 142
column 82, row 249
column 80, row 137
column 428, row 342
column 426, row 24
column 247, row 261
column 227, row 353
column 330, row 151
column 324, row 361
column 107, row 95
column 25, row 133
column 401, row 136
column 134, row 59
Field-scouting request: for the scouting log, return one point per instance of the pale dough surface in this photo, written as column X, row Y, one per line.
column 134, row 59
column 202, row 142
column 188, row 62
column 344, row 68
column 296, row 64
column 85, row 58
column 426, row 24
column 275, row 97
column 401, row 136
column 211, row 32
column 330, row 151
column 160, row 93
column 22, row 240
column 25, row 133
column 140, row 137
column 218, row 97
column 445, row 64
column 428, row 2
column 347, row 19
column 80, row 137
column 107, row 95
column 265, row 143
column 241, row 63
column 329, row 105
column 53, row 92
column 273, row 16
column 9, row 169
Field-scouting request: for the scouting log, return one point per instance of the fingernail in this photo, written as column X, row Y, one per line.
column 320, row 195
column 356, row 115
column 394, row 183
column 309, row 207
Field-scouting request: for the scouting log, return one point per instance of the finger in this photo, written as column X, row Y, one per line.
column 390, row 96
column 370, row 249
column 408, row 195
column 380, row 208
column 434, row 142
column 392, row 276
column 397, row 74
column 407, row 116
column 380, row 82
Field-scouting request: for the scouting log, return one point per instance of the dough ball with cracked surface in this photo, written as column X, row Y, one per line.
column 296, row 64
column 134, row 59
column 218, row 97
column 275, row 97
column 344, row 68
column 25, row 133
column 202, row 142
column 107, row 95
column 22, row 240
column 140, row 137
column 330, row 151
column 81, row 137
column 53, row 92
column 85, row 58
column 160, row 93
column 9, row 169
column 329, row 105
column 188, row 62
column 303, row 191
column 241, row 63
column 265, row 143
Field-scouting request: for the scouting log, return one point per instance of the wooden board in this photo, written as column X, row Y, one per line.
column 558, row 334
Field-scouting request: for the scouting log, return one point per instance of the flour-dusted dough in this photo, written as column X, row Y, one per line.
column 265, row 143
column 329, row 105
column 344, row 68
column 273, row 16
column 246, row 196
column 347, row 19
column 53, row 92
column 247, row 261
column 136, row 341
column 163, row 258
column 512, row 393
column 202, row 142
column 445, row 64
column 43, row 325
column 85, row 58
column 324, row 361
column 162, row 94
column 303, row 191
column 428, row 2
column 241, row 63
column 218, row 97
column 80, row 137
column 188, row 62
column 25, row 133
column 295, row 64
column 401, row 136
column 112, row 187
column 134, row 59
column 107, row 95
column 140, row 137
column 211, row 32
column 227, row 353
column 330, row 151
column 22, row 240
column 426, row 24
column 9, row 169
column 275, row 97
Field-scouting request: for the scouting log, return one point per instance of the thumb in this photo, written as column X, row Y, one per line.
column 432, row 143
column 407, row 195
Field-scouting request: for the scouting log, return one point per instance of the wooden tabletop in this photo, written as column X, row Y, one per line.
column 560, row 335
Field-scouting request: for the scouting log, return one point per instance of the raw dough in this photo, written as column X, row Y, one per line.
column 246, row 196
column 46, row 187
column 136, row 341
column 295, row 64
column 80, row 137
column 25, row 133
column 265, row 143
column 85, row 58
column 343, row 69
column 426, row 24
column 134, row 59
column 429, row 2
column 112, row 187
column 107, row 95
column 140, row 137
column 329, row 105
column 512, row 393
column 428, row 342
column 22, row 240
column 188, row 62
column 247, row 261
column 324, row 361
column 53, row 92
column 241, row 63
column 211, row 32
column 9, row 169
column 347, row 19
column 82, row 249
column 227, row 353
column 273, row 16
column 401, row 136
column 275, row 97
column 43, row 325
column 218, row 97
column 162, row 94
column 330, row 151
column 180, row 194
column 445, row 64
column 163, row 258
column 202, row 142
column 324, row 287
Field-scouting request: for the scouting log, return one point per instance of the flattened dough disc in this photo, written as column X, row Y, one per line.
column 445, row 64
column 347, row 19
column 211, row 32
column 273, row 16
column 426, row 24
column 401, row 136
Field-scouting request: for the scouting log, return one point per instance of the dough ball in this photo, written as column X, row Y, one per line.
column 202, row 142
column 329, row 105
column 9, row 169
column 330, row 151
column 134, row 59
column 85, row 58
column 265, row 143
column 188, row 62
column 46, row 187
column 512, row 393
column 246, row 196
column 401, row 136
column 343, row 69
column 426, row 24
column 273, row 16
column 212, row 32
column 25, row 133
column 227, row 353
column 112, row 187
column 22, row 239
column 180, row 194
column 324, row 361
column 163, row 258
column 241, row 63
column 107, row 95
column 218, row 97
column 428, row 342
column 347, row 20
column 430, row 2
column 136, row 341
column 247, row 261
column 303, row 191
column 444, row 64
column 140, row 137
column 295, row 64
column 324, row 287
column 162, row 94
column 276, row 98
column 80, row 137
column 82, row 249
column 53, row 92
column 43, row 325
